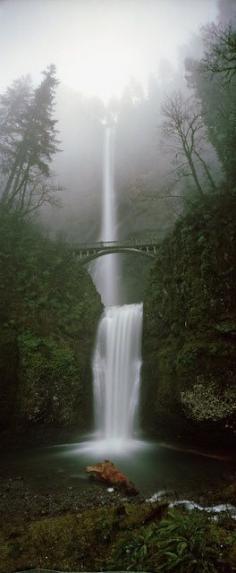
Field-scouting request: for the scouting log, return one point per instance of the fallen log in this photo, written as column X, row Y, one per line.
column 107, row 472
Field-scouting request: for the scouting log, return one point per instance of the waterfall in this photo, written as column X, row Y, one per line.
column 105, row 271
column 117, row 356
column 117, row 364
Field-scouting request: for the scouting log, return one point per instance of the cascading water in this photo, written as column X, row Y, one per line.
column 117, row 356
column 105, row 271
column 117, row 364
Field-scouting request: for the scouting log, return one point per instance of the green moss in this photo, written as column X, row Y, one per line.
column 49, row 309
column 189, row 320
column 119, row 539
column 8, row 374
column 50, row 380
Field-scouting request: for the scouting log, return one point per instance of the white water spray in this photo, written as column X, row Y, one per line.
column 117, row 364
column 106, row 269
column 117, row 357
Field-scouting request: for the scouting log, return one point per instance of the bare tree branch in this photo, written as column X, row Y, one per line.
column 220, row 53
column 184, row 122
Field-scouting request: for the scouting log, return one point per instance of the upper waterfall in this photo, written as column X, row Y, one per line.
column 105, row 271
column 109, row 210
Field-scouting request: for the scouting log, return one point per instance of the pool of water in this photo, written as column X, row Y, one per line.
column 152, row 466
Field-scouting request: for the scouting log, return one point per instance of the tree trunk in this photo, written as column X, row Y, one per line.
column 207, row 170
column 17, row 165
column 188, row 154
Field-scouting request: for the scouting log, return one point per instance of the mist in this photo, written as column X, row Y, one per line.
column 117, row 285
column 97, row 46
column 123, row 56
column 118, row 58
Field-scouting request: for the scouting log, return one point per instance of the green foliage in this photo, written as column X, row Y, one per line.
column 48, row 309
column 50, row 380
column 183, row 543
column 28, row 143
column 99, row 539
column 189, row 318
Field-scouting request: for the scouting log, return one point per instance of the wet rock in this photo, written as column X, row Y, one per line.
column 229, row 493
column 106, row 471
column 121, row 510
column 189, row 357
column 157, row 513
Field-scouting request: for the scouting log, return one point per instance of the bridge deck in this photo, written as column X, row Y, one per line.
column 90, row 251
column 116, row 244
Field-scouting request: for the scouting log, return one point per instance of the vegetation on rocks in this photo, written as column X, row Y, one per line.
column 206, row 402
column 126, row 537
column 49, row 310
column 189, row 326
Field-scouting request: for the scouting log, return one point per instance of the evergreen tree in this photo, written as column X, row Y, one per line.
column 14, row 107
column 28, row 143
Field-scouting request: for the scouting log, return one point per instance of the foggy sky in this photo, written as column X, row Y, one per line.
column 97, row 45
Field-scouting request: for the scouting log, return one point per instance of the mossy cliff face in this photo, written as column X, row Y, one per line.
column 49, row 313
column 190, row 327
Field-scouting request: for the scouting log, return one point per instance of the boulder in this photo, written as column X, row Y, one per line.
column 107, row 472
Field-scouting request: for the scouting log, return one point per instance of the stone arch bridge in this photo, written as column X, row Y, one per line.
column 89, row 251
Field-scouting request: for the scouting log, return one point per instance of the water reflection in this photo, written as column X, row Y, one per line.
column 151, row 466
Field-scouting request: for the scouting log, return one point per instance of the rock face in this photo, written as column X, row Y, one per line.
column 190, row 327
column 54, row 368
column 106, row 471
column 49, row 311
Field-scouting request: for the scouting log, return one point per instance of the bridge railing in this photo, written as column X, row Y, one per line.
column 117, row 244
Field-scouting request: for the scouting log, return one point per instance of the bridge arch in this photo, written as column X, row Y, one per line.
column 87, row 258
column 89, row 252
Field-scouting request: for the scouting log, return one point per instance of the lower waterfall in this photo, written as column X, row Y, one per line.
column 116, row 371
